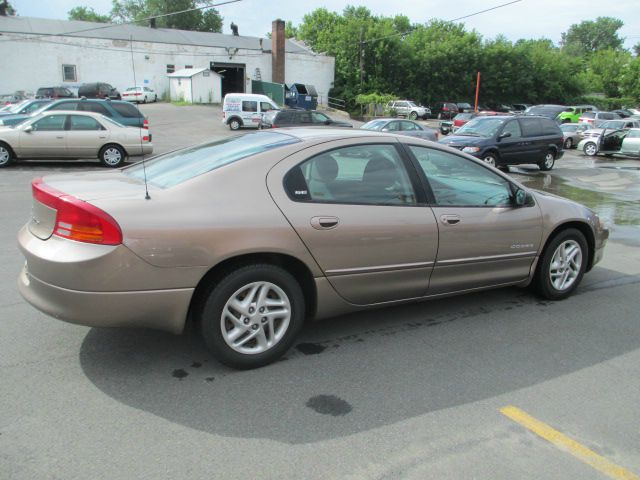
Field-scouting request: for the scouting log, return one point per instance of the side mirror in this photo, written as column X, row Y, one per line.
column 28, row 128
column 504, row 135
column 522, row 198
column 385, row 130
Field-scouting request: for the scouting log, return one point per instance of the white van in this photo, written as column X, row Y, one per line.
column 245, row 109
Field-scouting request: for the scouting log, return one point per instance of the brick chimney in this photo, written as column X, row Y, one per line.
column 277, row 51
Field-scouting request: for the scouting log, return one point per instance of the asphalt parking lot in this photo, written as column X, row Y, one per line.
column 493, row 385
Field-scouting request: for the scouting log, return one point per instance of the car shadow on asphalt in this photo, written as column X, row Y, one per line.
column 362, row 371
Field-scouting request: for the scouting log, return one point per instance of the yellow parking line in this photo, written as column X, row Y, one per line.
column 565, row 443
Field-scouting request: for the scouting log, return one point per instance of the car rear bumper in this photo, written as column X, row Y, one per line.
column 157, row 309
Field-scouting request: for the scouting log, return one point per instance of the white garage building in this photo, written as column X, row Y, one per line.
column 195, row 85
column 38, row 52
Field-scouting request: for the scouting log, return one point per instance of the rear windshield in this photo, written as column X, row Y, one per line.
column 126, row 110
column 589, row 115
column 177, row 167
column 546, row 111
column 374, row 125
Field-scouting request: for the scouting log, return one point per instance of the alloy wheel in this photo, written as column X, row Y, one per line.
column 255, row 318
column 590, row 149
column 565, row 265
column 112, row 156
column 5, row 156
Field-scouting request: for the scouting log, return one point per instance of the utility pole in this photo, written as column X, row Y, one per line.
column 361, row 58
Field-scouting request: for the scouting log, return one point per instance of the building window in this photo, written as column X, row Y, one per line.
column 188, row 66
column 171, row 68
column 69, row 73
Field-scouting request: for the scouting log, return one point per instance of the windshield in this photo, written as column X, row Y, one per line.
column 15, row 108
column 481, row 127
column 374, row 125
column 178, row 167
column 412, row 104
column 463, row 116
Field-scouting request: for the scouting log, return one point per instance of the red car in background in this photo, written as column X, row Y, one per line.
column 462, row 118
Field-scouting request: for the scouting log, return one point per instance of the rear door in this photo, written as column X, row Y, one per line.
column 85, row 136
column 484, row 240
column 534, row 144
column 47, row 139
column 356, row 207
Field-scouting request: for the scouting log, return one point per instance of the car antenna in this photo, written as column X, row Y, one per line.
column 135, row 85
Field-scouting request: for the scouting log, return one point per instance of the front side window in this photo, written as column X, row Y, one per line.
column 318, row 117
column 80, row 122
column 513, row 128
column 481, row 127
column 50, row 123
column 363, row 174
column 392, row 127
column 265, row 106
column 408, row 126
column 457, row 181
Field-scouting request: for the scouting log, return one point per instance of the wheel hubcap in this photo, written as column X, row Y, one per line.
column 112, row 156
column 4, row 155
column 565, row 265
column 590, row 149
column 548, row 160
column 490, row 161
column 255, row 318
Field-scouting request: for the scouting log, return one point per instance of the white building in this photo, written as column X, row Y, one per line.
column 195, row 85
column 36, row 52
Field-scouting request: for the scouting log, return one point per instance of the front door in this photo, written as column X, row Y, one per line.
column 512, row 148
column 356, row 210
column 484, row 239
column 47, row 138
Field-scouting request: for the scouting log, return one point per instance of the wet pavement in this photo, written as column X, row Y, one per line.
column 609, row 186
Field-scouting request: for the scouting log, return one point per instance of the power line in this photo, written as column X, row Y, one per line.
column 401, row 34
column 113, row 25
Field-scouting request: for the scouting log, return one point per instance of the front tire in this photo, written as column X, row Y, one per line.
column 562, row 265
column 548, row 162
column 490, row 159
column 6, row 155
column 112, row 156
column 590, row 149
column 251, row 316
column 413, row 115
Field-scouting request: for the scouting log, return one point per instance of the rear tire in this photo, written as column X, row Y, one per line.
column 562, row 265
column 568, row 143
column 112, row 156
column 6, row 155
column 234, row 124
column 251, row 316
column 548, row 162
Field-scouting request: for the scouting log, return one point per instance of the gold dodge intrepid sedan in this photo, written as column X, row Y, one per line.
column 250, row 235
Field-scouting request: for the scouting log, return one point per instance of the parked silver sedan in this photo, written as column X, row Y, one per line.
column 573, row 133
column 72, row 134
column 401, row 127
column 625, row 141
column 250, row 235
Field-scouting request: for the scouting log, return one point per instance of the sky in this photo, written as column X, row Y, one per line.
column 525, row 19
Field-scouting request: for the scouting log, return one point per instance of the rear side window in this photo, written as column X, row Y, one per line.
column 549, row 127
column 94, row 107
column 126, row 110
column 285, row 117
column 65, row 106
column 177, row 167
column 80, row 122
column 607, row 116
column 249, row 106
column 531, row 127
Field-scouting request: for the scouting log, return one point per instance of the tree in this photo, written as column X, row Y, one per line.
column 87, row 14
column 588, row 37
column 606, row 70
column 7, row 9
column 636, row 49
column 139, row 10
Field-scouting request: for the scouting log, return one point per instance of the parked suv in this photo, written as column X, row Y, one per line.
column 507, row 140
column 445, row 110
column 99, row 90
column 549, row 111
column 54, row 92
column 122, row 112
column 409, row 109
column 299, row 118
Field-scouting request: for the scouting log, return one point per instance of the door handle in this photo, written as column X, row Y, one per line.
column 60, row 137
column 324, row 223
column 450, row 219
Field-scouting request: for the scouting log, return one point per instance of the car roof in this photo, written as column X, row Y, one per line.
column 332, row 133
column 72, row 112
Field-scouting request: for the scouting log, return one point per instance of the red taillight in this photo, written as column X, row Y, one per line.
column 75, row 219
column 146, row 138
column 445, row 109
column 145, row 124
